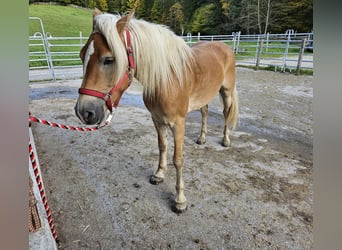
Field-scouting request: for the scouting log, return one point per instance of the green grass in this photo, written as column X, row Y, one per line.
column 273, row 50
column 61, row 21
column 67, row 21
column 272, row 68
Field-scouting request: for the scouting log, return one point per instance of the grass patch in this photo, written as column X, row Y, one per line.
column 273, row 50
column 61, row 21
column 273, row 68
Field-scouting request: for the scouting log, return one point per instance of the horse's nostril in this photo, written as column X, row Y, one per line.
column 89, row 115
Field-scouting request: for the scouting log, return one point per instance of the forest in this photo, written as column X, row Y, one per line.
column 212, row 17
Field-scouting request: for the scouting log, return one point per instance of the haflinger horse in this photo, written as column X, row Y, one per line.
column 176, row 79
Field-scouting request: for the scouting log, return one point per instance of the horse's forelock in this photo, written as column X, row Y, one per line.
column 106, row 25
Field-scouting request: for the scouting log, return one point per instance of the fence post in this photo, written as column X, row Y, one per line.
column 188, row 39
column 50, row 59
column 81, row 38
column 259, row 53
column 288, row 33
column 238, row 41
column 300, row 56
column 234, row 42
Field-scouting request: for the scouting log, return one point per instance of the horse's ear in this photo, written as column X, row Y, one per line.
column 96, row 12
column 124, row 21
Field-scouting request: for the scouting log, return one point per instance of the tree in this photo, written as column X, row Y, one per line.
column 175, row 19
column 263, row 14
column 299, row 15
column 111, row 6
column 114, row 6
column 65, row 2
column 141, row 10
column 258, row 15
column 102, row 5
column 205, row 19
column 91, row 4
column 156, row 12
column 248, row 22
column 225, row 5
column 213, row 16
column 188, row 10
column 132, row 4
column 235, row 15
column 223, row 11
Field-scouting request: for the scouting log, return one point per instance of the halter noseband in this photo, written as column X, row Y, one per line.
column 127, row 76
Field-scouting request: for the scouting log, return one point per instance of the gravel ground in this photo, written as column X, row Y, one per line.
column 256, row 194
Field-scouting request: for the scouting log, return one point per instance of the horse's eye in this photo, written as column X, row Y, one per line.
column 108, row 61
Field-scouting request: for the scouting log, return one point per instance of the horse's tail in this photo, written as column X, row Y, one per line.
column 233, row 116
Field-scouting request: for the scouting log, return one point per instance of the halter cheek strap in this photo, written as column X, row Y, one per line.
column 126, row 77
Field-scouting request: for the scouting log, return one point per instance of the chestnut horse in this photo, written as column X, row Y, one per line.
column 176, row 79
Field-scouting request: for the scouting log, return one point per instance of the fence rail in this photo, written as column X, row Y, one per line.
column 288, row 51
column 52, row 58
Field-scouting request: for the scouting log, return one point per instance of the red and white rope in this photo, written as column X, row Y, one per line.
column 35, row 165
column 79, row 129
column 41, row 189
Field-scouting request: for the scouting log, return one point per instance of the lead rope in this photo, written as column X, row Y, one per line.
column 42, row 191
column 37, row 173
column 63, row 126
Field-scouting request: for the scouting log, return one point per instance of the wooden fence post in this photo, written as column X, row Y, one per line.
column 300, row 56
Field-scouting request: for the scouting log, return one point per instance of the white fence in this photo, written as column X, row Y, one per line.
column 52, row 58
column 288, row 51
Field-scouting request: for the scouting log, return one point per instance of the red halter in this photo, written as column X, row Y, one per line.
column 127, row 76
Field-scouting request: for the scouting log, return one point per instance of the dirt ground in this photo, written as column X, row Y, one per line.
column 256, row 194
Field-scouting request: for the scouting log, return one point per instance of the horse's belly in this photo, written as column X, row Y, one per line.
column 198, row 101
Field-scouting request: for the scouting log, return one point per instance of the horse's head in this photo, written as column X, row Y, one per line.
column 107, row 64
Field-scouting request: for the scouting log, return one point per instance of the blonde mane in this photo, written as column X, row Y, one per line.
column 163, row 59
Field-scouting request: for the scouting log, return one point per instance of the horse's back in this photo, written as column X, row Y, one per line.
column 214, row 67
column 214, row 50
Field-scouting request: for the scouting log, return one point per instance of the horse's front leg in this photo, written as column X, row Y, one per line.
column 159, row 175
column 178, row 161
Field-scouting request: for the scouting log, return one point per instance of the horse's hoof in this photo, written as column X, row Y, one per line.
column 155, row 180
column 179, row 208
column 225, row 143
column 200, row 141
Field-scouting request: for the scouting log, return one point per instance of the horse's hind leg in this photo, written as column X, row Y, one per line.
column 201, row 139
column 159, row 175
column 227, row 103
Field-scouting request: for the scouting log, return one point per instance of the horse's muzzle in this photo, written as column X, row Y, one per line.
column 90, row 112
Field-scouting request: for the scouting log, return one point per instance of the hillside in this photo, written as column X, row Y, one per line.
column 61, row 21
